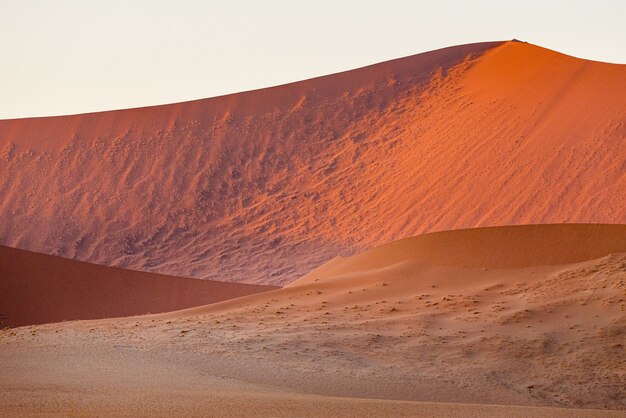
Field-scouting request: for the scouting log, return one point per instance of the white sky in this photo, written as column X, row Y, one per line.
column 74, row 56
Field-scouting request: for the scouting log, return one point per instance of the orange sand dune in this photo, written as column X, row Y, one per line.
column 524, row 315
column 494, row 248
column 37, row 288
column 264, row 186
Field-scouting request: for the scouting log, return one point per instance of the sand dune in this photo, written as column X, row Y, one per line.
column 37, row 288
column 264, row 186
column 494, row 248
column 525, row 315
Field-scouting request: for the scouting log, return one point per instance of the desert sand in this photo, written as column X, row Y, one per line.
column 438, row 235
column 509, row 321
column 263, row 186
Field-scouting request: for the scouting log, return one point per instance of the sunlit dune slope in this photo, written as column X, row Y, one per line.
column 494, row 248
column 264, row 186
column 37, row 288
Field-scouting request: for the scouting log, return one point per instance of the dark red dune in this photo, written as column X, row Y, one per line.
column 37, row 288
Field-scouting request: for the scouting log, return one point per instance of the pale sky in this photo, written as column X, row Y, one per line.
column 75, row 56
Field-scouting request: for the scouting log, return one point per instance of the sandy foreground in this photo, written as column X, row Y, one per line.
column 116, row 382
column 394, row 331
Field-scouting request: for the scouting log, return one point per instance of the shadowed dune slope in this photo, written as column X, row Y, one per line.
column 266, row 185
column 37, row 288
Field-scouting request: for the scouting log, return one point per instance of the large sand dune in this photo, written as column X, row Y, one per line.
column 524, row 315
column 263, row 186
column 38, row 288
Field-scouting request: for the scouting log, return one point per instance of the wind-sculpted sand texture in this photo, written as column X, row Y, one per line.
column 263, row 186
